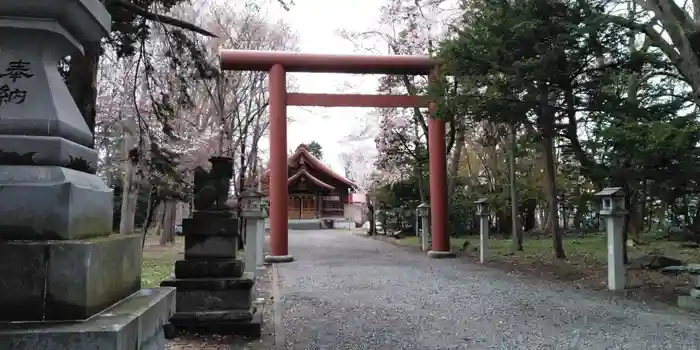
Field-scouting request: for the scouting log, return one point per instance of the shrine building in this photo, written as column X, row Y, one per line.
column 315, row 191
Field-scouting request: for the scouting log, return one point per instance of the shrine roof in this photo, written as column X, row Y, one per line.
column 302, row 152
column 305, row 174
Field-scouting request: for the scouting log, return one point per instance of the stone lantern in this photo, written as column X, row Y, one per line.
column 612, row 201
column 253, row 211
column 423, row 211
column 482, row 207
column 482, row 210
column 614, row 210
column 67, row 281
column 251, row 204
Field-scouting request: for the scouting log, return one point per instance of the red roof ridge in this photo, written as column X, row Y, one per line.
column 302, row 149
column 318, row 164
column 313, row 179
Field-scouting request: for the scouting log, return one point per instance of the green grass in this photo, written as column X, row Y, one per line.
column 154, row 271
column 455, row 242
column 591, row 248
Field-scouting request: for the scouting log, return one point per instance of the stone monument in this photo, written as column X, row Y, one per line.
column 214, row 295
column 67, row 282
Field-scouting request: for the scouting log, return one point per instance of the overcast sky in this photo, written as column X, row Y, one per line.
column 316, row 23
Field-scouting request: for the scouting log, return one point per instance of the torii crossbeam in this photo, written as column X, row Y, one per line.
column 278, row 64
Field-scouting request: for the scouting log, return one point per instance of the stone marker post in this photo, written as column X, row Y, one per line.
column 261, row 249
column 482, row 211
column 254, row 214
column 214, row 295
column 424, row 212
column 614, row 211
column 67, row 282
column 417, row 225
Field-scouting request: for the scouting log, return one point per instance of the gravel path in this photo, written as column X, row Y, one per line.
column 350, row 292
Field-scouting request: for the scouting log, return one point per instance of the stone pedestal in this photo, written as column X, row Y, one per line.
column 253, row 212
column 253, row 246
column 425, row 234
column 214, row 295
column 260, row 243
column 423, row 211
column 483, row 238
column 67, row 282
column 617, row 272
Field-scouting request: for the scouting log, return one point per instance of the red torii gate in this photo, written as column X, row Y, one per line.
column 278, row 64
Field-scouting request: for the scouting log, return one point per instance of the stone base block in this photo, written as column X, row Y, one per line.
column 687, row 302
column 275, row 259
column 50, row 202
column 205, row 247
column 243, row 323
column 211, row 224
column 208, row 214
column 213, row 300
column 67, row 280
column 134, row 323
column 441, row 255
column 209, row 268
column 212, row 294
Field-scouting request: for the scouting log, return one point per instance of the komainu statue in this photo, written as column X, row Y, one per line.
column 211, row 188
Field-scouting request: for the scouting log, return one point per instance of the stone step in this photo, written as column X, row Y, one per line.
column 134, row 323
column 304, row 225
column 231, row 268
column 214, row 316
column 245, row 282
column 245, row 323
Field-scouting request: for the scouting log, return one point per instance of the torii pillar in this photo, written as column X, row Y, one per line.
column 278, row 64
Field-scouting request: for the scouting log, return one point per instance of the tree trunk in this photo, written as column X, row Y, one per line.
column 169, row 209
column 130, row 184
column 159, row 217
column 546, row 122
column 529, row 213
column 551, row 190
column 153, row 202
column 455, row 161
column 516, row 232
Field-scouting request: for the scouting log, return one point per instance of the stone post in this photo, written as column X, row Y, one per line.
column 482, row 211
column 261, row 248
column 260, row 242
column 253, row 213
column 417, row 225
column 214, row 294
column 424, row 212
column 67, row 281
column 614, row 211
